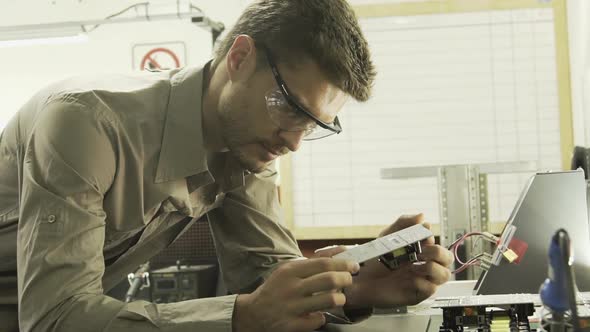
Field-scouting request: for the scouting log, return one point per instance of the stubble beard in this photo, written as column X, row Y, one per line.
column 236, row 135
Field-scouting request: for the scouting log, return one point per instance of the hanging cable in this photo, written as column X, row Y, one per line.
column 121, row 12
column 482, row 260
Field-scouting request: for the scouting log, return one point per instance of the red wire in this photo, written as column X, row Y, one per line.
column 459, row 242
column 472, row 262
column 464, row 267
column 455, row 245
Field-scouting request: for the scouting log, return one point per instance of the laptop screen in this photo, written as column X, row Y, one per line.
column 549, row 202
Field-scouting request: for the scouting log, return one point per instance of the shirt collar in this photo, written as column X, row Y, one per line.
column 183, row 150
column 183, row 153
column 226, row 171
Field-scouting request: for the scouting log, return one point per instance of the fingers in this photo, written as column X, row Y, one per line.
column 430, row 240
column 406, row 221
column 328, row 251
column 433, row 272
column 320, row 302
column 291, row 298
column 310, row 267
column 421, row 290
column 326, row 281
column 309, row 322
column 402, row 222
column 436, row 254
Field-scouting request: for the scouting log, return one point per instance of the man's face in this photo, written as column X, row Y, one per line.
column 250, row 134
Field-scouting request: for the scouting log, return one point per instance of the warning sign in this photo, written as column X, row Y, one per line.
column 159, row 56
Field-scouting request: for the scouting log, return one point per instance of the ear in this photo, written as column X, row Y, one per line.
column 241, row 59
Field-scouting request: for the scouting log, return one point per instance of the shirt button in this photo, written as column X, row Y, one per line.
column 51, row 219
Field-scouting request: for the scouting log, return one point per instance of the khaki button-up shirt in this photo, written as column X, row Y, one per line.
column 113, row 169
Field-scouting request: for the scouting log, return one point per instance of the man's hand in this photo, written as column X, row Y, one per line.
column 294, row 296
column 411, row 283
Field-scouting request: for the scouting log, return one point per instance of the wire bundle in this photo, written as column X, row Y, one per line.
column 476, row 260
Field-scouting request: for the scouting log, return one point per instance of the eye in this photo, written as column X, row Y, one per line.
column 292, row 113
column 311, row 126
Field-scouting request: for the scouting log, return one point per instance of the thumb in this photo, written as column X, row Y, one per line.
column 402, row 222
column 328, row 251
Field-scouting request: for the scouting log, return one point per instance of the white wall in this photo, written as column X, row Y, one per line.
column 109, row 48
column 25, row 69
column 579, row 40
column 44, row 11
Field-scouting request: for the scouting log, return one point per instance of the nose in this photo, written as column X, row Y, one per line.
column 292, row 139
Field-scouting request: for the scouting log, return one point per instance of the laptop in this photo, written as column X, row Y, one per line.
column 548, row 202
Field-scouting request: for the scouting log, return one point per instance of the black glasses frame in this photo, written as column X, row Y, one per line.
column 333, row 127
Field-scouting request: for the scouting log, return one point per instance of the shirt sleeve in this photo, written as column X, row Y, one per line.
column 251, row 241
column 69, row 163
column 249, row 236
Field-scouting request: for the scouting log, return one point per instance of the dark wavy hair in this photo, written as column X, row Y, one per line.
column 327, row 31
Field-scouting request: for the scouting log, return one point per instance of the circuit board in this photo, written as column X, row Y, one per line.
column 487, row 313
column 486, row 300
column 386, row 244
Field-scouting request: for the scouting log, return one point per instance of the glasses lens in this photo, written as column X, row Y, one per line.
column 317, row 133
column 285, row 116
column 290, row 119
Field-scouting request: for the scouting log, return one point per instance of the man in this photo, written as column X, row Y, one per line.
column 99, row 174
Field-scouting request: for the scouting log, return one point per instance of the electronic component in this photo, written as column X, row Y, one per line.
column 510, row 255
column 503, row 244
column 482, row 260
column 392, row 260
column 518, row 247
column 182, row 282
column 137, row 281
column 487, row 313
column 388, row 244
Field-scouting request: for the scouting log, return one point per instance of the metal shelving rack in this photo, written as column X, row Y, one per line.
column 463, row 198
